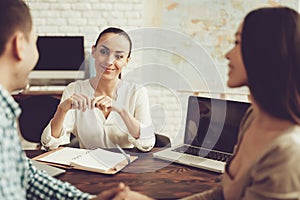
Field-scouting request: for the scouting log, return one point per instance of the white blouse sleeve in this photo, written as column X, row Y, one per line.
column 146, row 140
column 51, row 142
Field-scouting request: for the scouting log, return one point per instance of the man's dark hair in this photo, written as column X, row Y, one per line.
column 271, row 54
column 15, row 15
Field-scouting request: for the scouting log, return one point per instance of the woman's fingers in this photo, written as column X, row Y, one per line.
column 103, row 102
column 80, row 102
column 106, row 103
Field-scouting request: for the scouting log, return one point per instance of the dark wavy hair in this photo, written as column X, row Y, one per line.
column 271, row 54
column 116, row 31
column 15, row 15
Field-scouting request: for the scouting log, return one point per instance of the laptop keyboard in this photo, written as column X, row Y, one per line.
column 205, row 153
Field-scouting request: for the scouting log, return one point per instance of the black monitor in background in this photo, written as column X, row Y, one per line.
column 60, row 59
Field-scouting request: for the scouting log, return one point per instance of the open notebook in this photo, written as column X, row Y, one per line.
column 211, row 131
column 97, row 160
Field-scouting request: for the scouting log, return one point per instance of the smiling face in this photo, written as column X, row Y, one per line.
column 237, row 75
column 111, row 55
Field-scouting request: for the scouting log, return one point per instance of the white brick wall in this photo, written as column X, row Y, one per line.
column 87, row 18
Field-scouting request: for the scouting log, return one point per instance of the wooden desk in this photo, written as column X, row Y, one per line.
column 153, row 177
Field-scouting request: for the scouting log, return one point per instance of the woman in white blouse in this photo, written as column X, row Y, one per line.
column 104, row 110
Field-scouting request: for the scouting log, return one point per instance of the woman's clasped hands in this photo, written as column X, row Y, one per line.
column 121, row 192
column 82, row 103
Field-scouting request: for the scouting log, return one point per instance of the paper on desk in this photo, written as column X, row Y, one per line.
column 97, row 160
column 64, row 156
column 107, row 158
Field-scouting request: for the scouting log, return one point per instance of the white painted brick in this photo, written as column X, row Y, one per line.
column 36, row 1
column 77, row 21
column 97, row 22
column 132, row 14
column 103, row 6
column 138, row 7
column 92, row 1
column 35, row 14
column 71, row 14
column 122, row 6
column 39, row 22
column 90, row 39
column 48, row 29
column 117, row 22
column 106, row 14
column 81, row 6
column 88, row 29
column 38, row 6
column 69, row 29
column 54, row 21
column 68, row 1
column 92, row 13
column 135, row 22
column 131, row 1
column 120, row 1
column 49, row 13
column 60, row 6
column 116, row 14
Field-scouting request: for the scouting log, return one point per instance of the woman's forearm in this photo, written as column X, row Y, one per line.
column 131, row 123
column 57, row 122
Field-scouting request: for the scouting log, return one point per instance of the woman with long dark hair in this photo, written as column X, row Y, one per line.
column 266, row 58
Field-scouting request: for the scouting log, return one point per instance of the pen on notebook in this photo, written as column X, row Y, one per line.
column 123, row 152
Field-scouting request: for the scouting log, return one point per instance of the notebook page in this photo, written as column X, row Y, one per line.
column 107, row 158
column 88, row 162
column 64, row 155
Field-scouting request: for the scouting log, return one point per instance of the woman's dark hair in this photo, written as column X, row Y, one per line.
column 15, row 15
column 271, row 54
column 116, row 31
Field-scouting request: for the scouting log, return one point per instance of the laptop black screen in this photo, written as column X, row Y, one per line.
column 213, row 123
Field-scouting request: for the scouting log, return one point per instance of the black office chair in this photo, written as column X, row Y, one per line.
column 162, row 141
column 37, row 111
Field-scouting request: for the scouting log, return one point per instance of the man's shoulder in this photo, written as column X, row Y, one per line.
column 4, row 118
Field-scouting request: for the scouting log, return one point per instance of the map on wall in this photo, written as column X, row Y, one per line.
column 211, row 24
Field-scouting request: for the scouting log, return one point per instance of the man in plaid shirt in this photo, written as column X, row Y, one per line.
column 19, row 179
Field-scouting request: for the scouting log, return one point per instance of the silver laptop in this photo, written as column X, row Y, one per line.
column 211, row 132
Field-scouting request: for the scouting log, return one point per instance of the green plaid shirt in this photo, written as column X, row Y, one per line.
column 19, row 179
